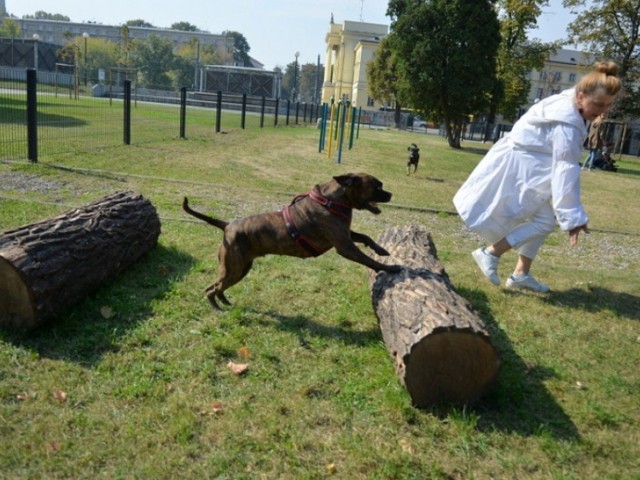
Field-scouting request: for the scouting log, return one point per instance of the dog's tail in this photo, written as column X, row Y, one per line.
column 221, row 224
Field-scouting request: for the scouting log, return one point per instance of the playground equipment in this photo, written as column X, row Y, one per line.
column 342, row 121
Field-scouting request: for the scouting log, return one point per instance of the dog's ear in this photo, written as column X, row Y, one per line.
column 348, row 180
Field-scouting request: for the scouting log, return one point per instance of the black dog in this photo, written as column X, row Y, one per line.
column 414, row 158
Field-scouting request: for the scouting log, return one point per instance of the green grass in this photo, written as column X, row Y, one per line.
column 148, row 391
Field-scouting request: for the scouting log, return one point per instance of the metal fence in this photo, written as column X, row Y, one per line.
column 45, row 115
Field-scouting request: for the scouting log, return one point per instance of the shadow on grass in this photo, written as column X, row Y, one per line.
column 520, row 402
column 85, row 332
column 14, row 112
column 597, row 299
column 627, row 171
column 303, row 327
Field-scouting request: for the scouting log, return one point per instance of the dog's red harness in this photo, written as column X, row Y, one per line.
column 305, row 243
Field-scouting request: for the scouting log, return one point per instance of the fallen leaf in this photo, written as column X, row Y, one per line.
column 106, row 312
column 238, row 368
column 22, row 396
column 60, row 395
column 580, row 386
column 331, row 468
column 217, row 407
column 53, row 447
column 243, row 352
column 406, row 446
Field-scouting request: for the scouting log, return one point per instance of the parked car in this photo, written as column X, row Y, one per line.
column 419, row 123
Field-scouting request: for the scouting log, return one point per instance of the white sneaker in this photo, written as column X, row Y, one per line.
column 526, row 282
column 488, row 264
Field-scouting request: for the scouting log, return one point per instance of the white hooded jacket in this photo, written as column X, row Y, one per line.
column 536, row 163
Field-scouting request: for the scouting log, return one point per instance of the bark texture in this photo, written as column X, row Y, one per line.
column 441, row 349
column 53, row 264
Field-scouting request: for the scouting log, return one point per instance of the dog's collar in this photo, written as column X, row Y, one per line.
column 335, row 207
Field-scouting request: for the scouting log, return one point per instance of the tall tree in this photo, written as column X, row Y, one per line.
column 517, row 56
column 101, row 54
column 189, row 56
column 383, row 77
column 239, row 48
column 447, row 55
column 310, row 82
column 155, row 59
column 610, row 29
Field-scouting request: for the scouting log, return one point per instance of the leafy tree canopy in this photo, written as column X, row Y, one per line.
column 155, row 59
column 184, row 26
column 42, row 15
column 10, row 28
column 385, row 82
column 240, row 48
column 447, row 60
column 610, row 29
column 139, row 23
column 517, row 55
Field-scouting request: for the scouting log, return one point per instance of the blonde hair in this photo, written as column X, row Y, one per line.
column 603, row 77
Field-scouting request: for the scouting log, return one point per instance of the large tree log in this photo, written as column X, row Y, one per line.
column 441, row 349
column 53, row 264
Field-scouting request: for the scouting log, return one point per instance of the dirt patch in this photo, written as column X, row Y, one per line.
column 26, row 182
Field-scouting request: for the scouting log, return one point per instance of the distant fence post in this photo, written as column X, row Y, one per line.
column 127, row 112
column 288, row 107
column 32, row 115
column 218, row 111
column 323, row 128
column 264, row 105
column 297, row 111
column 275, row 118
column 183, row 111
column 353, row 126
column 243, row 115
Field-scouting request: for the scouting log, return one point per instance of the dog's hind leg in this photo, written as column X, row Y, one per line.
column 227, row 277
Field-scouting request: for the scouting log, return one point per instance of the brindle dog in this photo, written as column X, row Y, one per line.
column 312, row 224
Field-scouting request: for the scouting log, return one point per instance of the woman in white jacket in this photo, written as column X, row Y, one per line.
column 530, row 180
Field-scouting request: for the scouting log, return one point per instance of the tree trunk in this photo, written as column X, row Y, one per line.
column 441, row 349
column 53, row 264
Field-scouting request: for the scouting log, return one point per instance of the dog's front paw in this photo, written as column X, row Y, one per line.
column 380, row 251
column 392, row 268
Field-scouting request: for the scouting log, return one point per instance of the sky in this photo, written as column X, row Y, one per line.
column 274, row 29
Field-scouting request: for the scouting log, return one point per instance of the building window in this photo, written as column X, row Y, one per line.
column 572, row 77
column 370, row 102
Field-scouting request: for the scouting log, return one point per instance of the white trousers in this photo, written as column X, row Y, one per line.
column 528, row 237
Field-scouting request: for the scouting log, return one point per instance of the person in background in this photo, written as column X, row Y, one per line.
column 529, row 181
column 595, row 141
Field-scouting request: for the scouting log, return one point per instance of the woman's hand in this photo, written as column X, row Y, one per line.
column 574, row 232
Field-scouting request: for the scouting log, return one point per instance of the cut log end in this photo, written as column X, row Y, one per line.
column 16, row 303
column 456, row 367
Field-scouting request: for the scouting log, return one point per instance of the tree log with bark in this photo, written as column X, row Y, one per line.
column 51, row 265
column 441, row 349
